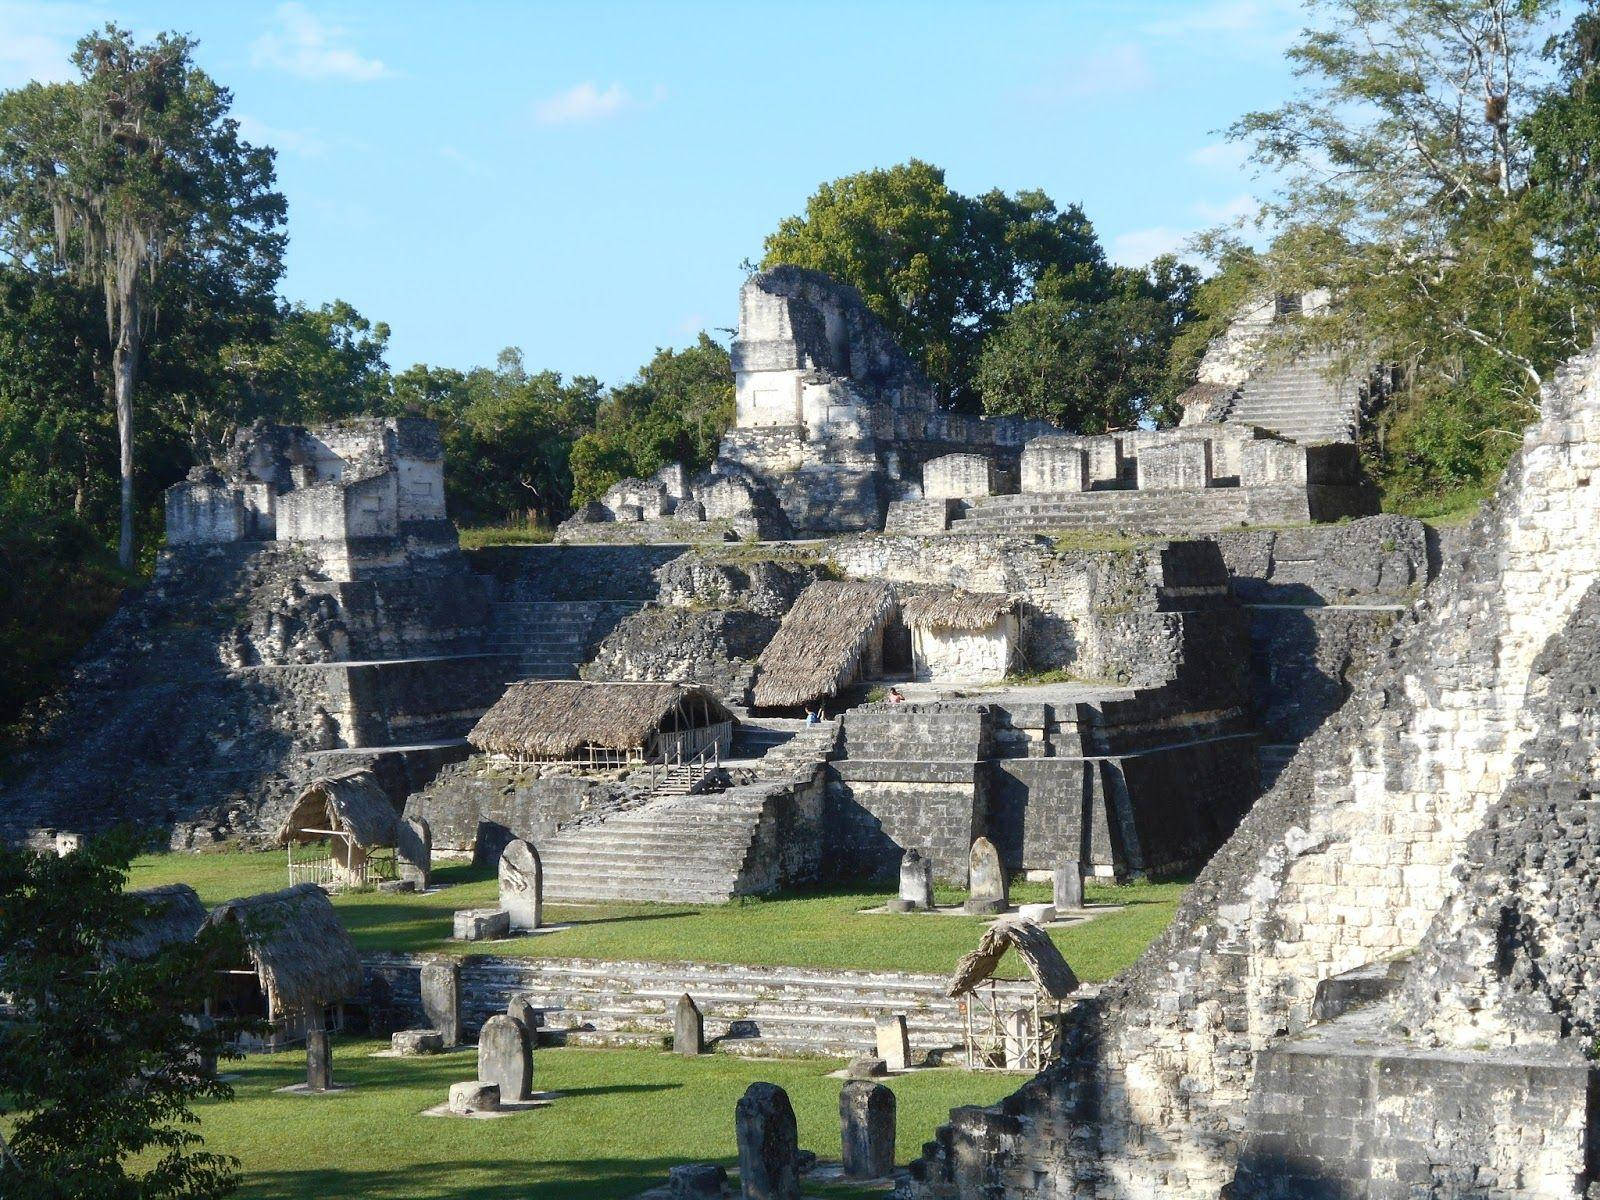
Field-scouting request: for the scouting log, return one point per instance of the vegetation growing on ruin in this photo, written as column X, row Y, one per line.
column 820, row 928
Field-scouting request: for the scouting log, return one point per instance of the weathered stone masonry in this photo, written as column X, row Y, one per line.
column 1348, row 860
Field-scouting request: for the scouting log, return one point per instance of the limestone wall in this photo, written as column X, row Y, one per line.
column 1346, row 861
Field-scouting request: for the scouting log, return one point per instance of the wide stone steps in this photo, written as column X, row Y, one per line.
column 552, row 639
column 674, row 849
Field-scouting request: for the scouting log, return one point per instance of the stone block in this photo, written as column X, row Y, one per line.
column 769, row 1145
column 521, row 886
column 866, row 1129
column 1042, row 914
column 894, row 1043
column 440, row 983
column 959, row 477
column 1177, row 466
column 411, row 1042
column 474, row 1096
column 697, row 1181
column 1268, row 461
column 988, row 890
column 688, row 1027
column 1067, row 885
column 916, row 883
column 481, row 924
column 505, row 1057
column 319, row 1058
column 67, row 843
column 1051, row 464
column 867, row 1067
column 413, row 852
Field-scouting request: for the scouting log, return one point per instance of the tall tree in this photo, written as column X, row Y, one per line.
column 132, row 179
column 1404, row 165
column 941, row 269
column 105, row 1057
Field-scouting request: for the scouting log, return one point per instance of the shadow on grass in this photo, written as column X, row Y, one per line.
column 619, row 1088
column 588, row 1179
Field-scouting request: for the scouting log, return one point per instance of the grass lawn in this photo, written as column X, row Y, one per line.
column 625, row 1117
column 817, row 928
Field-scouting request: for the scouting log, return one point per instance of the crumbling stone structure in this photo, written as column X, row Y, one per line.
column 1375, row 986
column 358, row 494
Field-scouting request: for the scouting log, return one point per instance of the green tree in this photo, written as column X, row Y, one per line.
column 134, row 180
column 1090, row 359
column 675, row 410
column 104, row 1060
column 1405, row 167
column 508, row 435
column 315, row 364
column 941, row 269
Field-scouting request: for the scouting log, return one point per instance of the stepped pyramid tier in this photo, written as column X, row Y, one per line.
column 1384, row 980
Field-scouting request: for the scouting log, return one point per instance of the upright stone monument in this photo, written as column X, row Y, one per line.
column 688, row 1028
column 505, row 1057
column 522, row 886
column 986, row 880
column 319, row 1057
column 525, row 1009
column 866, row 1129
column 440, row 981
column 769, row 1144
column 1068, row 880
column 894, row 1043
column 413, row 852
column 916, row 884
column 1020, row 1045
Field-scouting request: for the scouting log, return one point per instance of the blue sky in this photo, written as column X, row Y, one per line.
column 584, row 180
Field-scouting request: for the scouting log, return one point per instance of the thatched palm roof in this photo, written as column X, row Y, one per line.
column 819, row 646
column 352, row 802
column 172, row 914
column 301, row 952
column 953, row 608
column 1033, row 945
column 555, row 718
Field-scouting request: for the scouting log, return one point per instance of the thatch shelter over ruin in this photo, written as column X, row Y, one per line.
column 171, row 914
column 1001, row 1032
column 347, row 822
column 961, row 636
column 604, row 724
column 298, row 959
column 832, row 637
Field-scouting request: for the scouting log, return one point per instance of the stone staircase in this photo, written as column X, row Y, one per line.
column 781, row 744
column 552, row 639
column 1299, row 401
column 673, row 849
column 1204, row 510
column 748, row 1010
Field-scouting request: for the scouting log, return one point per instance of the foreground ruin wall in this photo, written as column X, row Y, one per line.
column 1353, row 858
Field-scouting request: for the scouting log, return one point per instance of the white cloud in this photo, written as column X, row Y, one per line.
column 303, row 44
column 1110, row 70
column 465, row 161
column 1247, row 28
column 36, row 40
column 1231, row 210
column 583, row 102
column 288, row 141
column 1222, row 156
column 1139, row 246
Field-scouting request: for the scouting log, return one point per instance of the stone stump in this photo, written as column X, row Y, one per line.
column 1068, row 880
column 522, row 886
column 916, row 884
column 697, row 1181
column 441, row 997
column 413, row 852
column 525, row 1009
column 505, row 1058
column 1039, row 914
column 474, row 1096
column 894, row 1043
column 987, row 889
column 769, row 1144
column 688, row 1028
column 480, row 924
column 866, row 1129
column 409, row 1043
column 319, row 1059
column 867, row 1066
